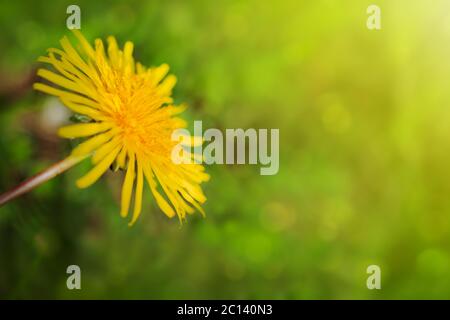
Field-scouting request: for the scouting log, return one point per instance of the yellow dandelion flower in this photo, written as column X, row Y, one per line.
column 132, row 119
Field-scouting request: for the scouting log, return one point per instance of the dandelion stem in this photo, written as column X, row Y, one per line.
column 40, row 178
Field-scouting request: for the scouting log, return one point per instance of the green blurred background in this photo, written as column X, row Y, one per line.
column 364, row 154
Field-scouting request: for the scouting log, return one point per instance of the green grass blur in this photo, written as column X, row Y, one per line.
column 364, row 154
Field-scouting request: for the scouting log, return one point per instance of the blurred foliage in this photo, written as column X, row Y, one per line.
column 364, row 141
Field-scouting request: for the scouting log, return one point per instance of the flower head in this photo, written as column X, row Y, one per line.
column 131, row 119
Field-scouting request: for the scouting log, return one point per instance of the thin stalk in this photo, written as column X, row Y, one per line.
column 40, row 178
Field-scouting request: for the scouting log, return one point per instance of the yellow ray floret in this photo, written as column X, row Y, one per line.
column 131, row 121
